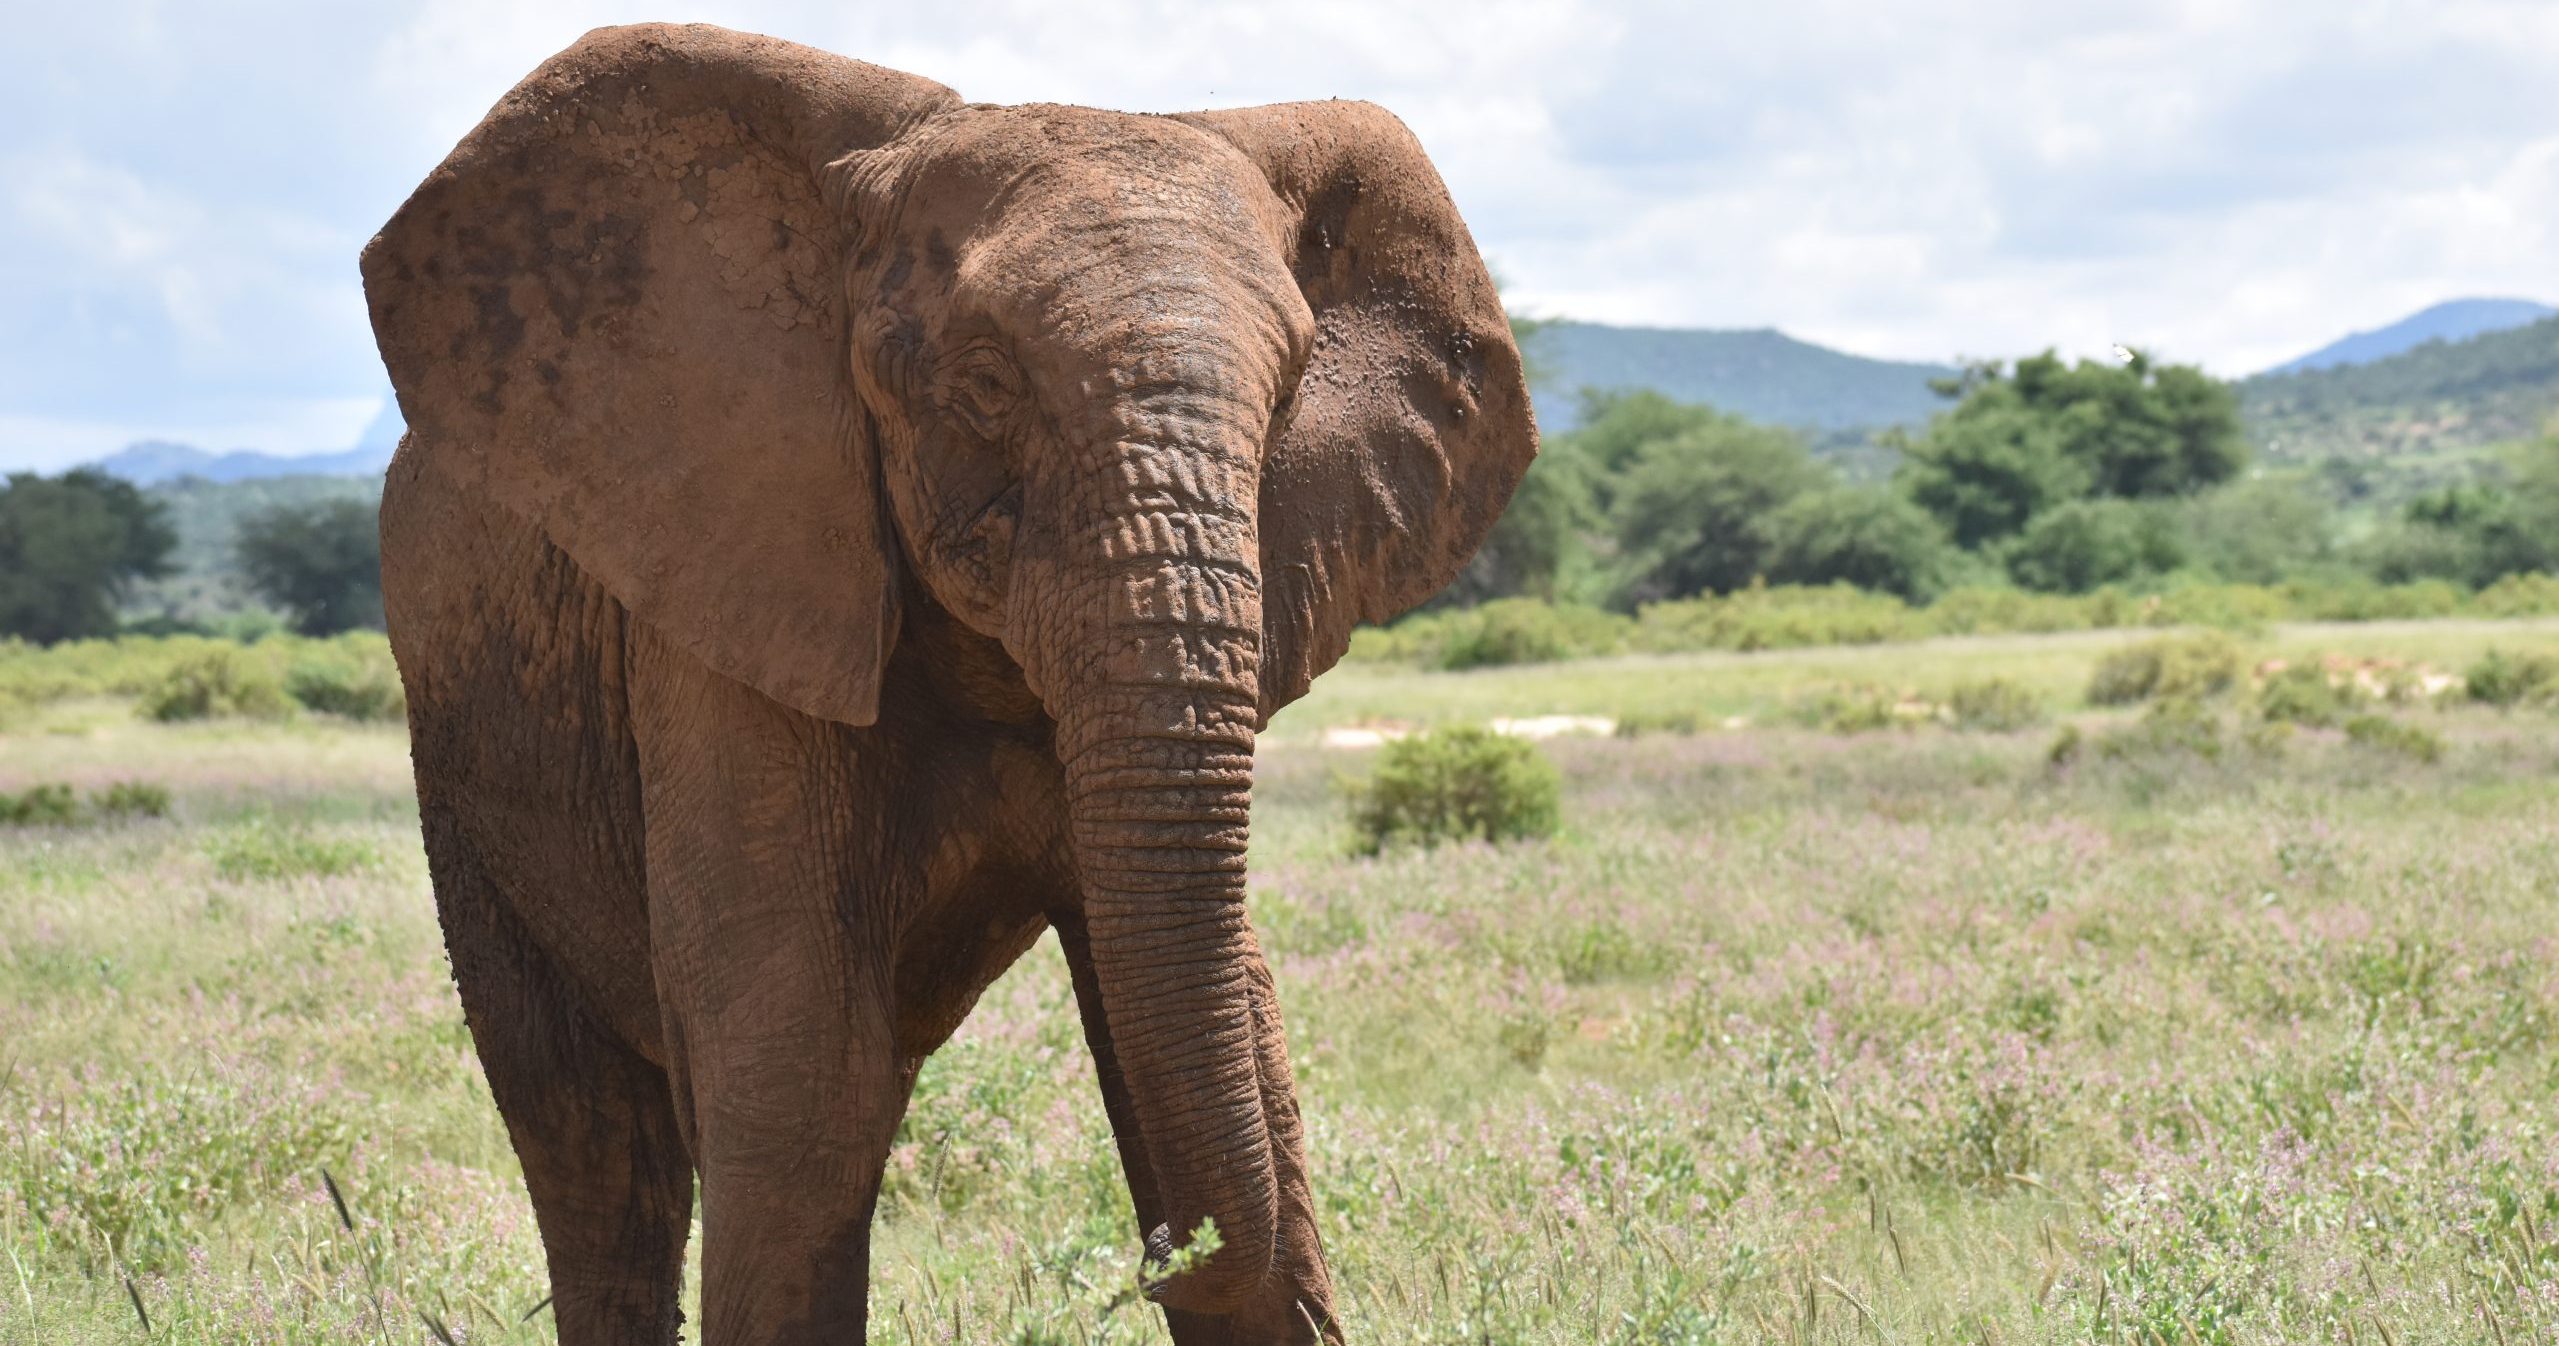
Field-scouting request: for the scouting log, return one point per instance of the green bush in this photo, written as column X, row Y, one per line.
column 1984, row 610
column 54, row 805
column 2524, row 595
column 1996, row 705
column 2505, row 681
column 217, row 681
column 1780, row 617
column 2174, row 726
column 40, row 806
column 2192, row 667
column 1528, row 631
column 2081, row 544
column 357, row 682
column 1453, row 784
column 2384, row 734
column 132, row 799
column 2302, row 694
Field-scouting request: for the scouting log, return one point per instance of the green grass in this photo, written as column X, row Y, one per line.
column 1788, row 1036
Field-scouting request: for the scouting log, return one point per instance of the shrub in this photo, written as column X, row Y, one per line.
column 1866, row 536
column 1527, row 631
column 217, row 680
column 2303, row 694
column 2505, row 681
column 2173, row 726
column 2398, row 738
column 2519, row 595
column 2066, row 747
column 40, row 806
column 1994, row 704
column 1780, row 617
column 1456, row 783
column 1986, row 610
column 2193, row 667
column 2079, row 545
column 132, row 799
column 356, row 686
column 54, row 805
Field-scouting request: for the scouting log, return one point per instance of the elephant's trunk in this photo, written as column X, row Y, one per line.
column 1156, row 716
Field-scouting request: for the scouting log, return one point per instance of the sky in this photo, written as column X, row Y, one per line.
column 2219, row 182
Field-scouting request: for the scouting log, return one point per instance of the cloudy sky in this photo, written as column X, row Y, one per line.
column 2231, row 183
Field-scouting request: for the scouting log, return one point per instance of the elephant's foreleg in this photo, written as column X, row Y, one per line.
column 592, row 1122
column 1299, row 1302
column 767, row 916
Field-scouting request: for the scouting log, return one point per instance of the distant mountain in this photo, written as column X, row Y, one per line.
column 1760, row 373
column 2434, row 396
column 153, row 461
column 2452, row 320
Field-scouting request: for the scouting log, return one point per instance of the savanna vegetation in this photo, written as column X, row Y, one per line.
column 2040, row 477
column 2113, row 985
column 2051, row 876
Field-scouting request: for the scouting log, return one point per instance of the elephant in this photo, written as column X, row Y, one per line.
column 843, row 532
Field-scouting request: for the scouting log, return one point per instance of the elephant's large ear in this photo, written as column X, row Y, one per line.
column 619, row 308
column 1412, row 422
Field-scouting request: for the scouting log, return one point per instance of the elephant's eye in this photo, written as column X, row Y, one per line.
column 982, row 388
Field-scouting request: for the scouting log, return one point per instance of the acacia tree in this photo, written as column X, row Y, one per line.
column 2022, row 440
column 1697, row 512
column 70, row 547
column 321, row 563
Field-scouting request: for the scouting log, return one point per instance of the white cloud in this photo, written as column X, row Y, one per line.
column 2227, row 181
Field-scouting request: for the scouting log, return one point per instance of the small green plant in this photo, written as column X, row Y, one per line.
column 2396, row 737
column 353, row 689
column 1453, row 784
column 2172, row 727
column 2193, row 667
column 2507, row 680
column 214, row 682
column 2066, row 747
column 40, row 806
column 131, row 799
column 55, row 804
column 1995, row 705
column 263, row 848
column 2302, row 694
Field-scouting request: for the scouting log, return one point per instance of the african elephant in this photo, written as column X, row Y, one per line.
column 844, row 531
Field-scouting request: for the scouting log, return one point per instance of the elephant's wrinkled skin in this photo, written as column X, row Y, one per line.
column 843, row 531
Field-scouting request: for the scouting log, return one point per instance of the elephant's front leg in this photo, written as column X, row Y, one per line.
column 774, row 989
column 1296, row 1306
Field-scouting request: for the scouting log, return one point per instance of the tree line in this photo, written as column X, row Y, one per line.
column 2045, row 475
column 74, row 547
column 2040, row 474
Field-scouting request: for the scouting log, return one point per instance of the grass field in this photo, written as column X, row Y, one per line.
column 1904, row 1036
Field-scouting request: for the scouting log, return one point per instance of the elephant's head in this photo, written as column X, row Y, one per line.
column 1165, row 405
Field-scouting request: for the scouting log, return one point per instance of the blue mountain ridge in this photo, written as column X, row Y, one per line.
column 2451, row 320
